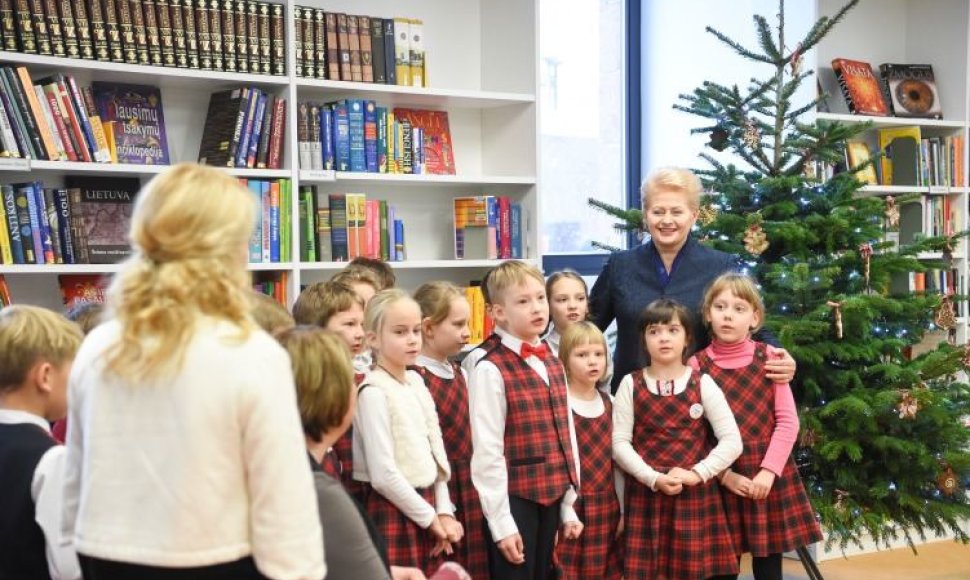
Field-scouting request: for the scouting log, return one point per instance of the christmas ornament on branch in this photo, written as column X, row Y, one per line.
column 865, row 251
column 892, row 214
column 908, row 406
column 837, row 311
column 946, row 317
column 755, row 239
column 946, row 481
column 707, row 214
column 751, row 136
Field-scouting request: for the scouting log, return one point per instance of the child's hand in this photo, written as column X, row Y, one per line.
column 736, row 484
column 572, row 530
column 512, row 549
column 686, row 477
column 761, row 484
column 668, row 485
column 780, row 367
column 402, row 573
column 452, row 528
column 442, row 547
column 437, row 529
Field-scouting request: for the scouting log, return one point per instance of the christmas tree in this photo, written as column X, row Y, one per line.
column 883, row 439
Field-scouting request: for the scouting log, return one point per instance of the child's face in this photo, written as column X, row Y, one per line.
column 349, row 324
column 587, row 363
column 567, row 304
column 732, row 318
column 666, row 342
column 451, row 334
column 364, row 290
column 398, row 342
column 523, row 310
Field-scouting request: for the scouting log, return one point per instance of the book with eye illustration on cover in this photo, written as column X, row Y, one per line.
column 912, row 90
column 139, row 124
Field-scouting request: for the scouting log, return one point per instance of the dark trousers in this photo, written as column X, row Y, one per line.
column 763, row 568
column 98, row 569
column 537, row 525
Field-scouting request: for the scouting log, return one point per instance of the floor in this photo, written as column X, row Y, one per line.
column 944, row 560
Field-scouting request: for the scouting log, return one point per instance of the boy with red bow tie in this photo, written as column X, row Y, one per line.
column 524, row 459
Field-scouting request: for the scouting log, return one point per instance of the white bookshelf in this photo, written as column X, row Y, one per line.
column 482, row 69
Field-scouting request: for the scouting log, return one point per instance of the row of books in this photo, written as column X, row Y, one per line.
column 356, row 135
column 271, row 239
column 932, row 281
column 369, row 49
column 488, row 227
column 902, row 90
column 273, row 284
column 85, row 222
column 338, row 227
column 480, row 324
column 932, row 215
column 244, row 127
column 245, row 36
column 910, row 159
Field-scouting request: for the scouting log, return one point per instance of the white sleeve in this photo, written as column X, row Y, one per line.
column 487, row 406
column 47, row 491
column 442, row 499
column 623, row 452
column 567, row 512
column 72, row 460
column 373, row 424
column 287, row 541
column 719, row 415
column 471, row 359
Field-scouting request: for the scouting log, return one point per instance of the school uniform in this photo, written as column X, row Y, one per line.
column 32, row 478
column 399, row 452
column 447, row 384
column 784, row 520
column 524, row 458
column 597, row 552
column 685, row 535
column 552, row 338
column 340, row 461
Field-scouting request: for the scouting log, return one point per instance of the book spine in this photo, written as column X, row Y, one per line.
column 256, row 239
column 516, row 234
column 338, row 228
column 353, row 37
column 242, row 42
column 61, row 120
column 366, row 57
column 37, row 233
column 179, row 45
column 112, row 30
column 343, row 43
column 257, row 131
column 262, row 149
column 505, row 229
column 402, row 51
column 165, row 34
column 53, row 115
column 332, row 46
column 391, row 238
column 69, row 29
column 141, row 31
column 341, row 131
column 24, row 224
column 274, row 222
column 298, row 40
column 355, row 115
column 238, row 126
column 265, row 42
column 400, row 248
column 13, row 226
column 152, row 32
column 247, row 130
column 78, row 229
column 10, row 146
column 47, row 139
column 252, row 34
column 63, row 205
column 53, row 18
column 83, row 26
column 377, row 58
column 74, row 124
column 286, row 221
column 315, row 145
column 275, row 160
column 266, row 204
column 229, row 57
column 215, row 34
column 390, row 52
column 41, row 35
column 370, row 136
column 407, row 136
column 384, row 235
column 277, row 27
column 17, row 124
column 202, row 28
column 191, row 38
column 416, row 52
column 127, row 26
column 326, row 135
column 304, row 225
column 382, row 140
column 308, row 34
column 77, row 100
column 97, row 128
column 6, row 251
column 51, row 215
column 320, row 43
column 99, row 33
column 25, row 27
column 8, row 26
column 23, row 108
column 303, row 136
column 324, row 231
column 374, row 229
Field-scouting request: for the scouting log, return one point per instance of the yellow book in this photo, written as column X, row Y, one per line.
column 103, row 154
column 402, row 51
column 858, row 153
column 6, row 254
column 416, row 50
column 886, row 137
column 391, row 142
column 472, row 321
column 109, row 137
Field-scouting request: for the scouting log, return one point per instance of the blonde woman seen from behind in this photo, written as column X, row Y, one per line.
column 185, row 454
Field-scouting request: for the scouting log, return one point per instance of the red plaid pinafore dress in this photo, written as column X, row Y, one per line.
column 597, row 552
column 451, row 399
column 784, row 520
column 343, row 449
column 680, row 537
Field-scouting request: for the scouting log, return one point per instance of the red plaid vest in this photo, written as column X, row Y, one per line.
column 538, row 451
column 451, row 400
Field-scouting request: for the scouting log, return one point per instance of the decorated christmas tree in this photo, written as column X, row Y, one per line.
column 884, row 444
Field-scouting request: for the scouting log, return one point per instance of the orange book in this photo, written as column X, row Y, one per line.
column 45, row 130
column 860, row 87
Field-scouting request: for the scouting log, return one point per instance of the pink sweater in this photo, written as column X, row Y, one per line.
column 735, row 356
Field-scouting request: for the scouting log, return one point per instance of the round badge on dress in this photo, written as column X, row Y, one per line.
column 696, row 411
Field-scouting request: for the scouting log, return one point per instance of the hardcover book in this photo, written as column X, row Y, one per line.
column 860, row 87
column 102, row 208
column 437, row 147
column 139, row 128
column 912, row 90
column 81, row 289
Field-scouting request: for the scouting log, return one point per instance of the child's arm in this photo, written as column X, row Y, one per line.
column 786, row 429
column 567, row 512
column 718, row 414
column 47, row 491
column 373, row 424
column 623, row 452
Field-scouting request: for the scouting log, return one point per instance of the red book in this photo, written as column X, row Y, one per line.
column 505, row 228
column 81, row 288
column 438, row 153
column 52, row 102
column 75, row 124
column 276, row 136
column 860, row 87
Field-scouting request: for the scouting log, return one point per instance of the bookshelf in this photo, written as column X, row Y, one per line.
column 900, row 31
column 482, row 69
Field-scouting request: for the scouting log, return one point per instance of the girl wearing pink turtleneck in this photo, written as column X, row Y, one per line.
column 764, row 500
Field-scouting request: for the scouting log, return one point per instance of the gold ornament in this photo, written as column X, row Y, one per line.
column 840, row 496
column 865, row 251
column 945, row 317
column 946, row 481
column 707, row 214
column 892, row 214
column 908, row 405
column 755, row 240
column 837, row 311
column 752, row 136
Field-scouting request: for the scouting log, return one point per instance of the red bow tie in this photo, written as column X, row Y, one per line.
column 538, row 350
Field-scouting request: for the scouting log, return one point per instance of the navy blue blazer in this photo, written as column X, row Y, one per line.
column 629, row 282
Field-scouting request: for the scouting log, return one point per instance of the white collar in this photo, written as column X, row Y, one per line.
column 511, row 342
column 16, row 417
column 440, row 369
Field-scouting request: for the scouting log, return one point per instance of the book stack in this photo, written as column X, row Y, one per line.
column 339, row 227
column 356, row 135
column 480, row 324
column 224, row 35
column 369, row 49
column 488, row 227
column 270, row 242
column 244, row 127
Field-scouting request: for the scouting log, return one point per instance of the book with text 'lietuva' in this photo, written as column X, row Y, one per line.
column 101, row 207
column 138, row 121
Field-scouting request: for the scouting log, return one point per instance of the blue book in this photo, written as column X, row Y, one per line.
column 257, row 131
column 355, row 115
column 516, row 218
column 266, row 226
column 391, row 238
column 382, row 140
column 63, row 203
column 256, row 240
column 341, row 135
column 399, row 246
column 326, row 136
column 46, row 239
column 370, row 136
column 34, row 216
column 247, row 128
column 10, row 206
column 274, row 224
